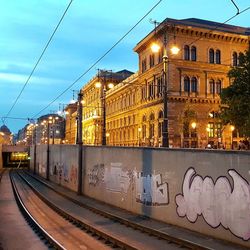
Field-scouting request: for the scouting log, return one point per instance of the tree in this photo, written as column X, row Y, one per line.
column 235, row 99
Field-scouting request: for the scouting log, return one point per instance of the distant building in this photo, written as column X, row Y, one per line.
column 71, row 123
column 6, row 136
column 50, row 126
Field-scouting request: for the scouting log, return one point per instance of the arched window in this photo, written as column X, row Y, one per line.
column 211, row 86
column 240, row 61
column 144, row 119
column 151, row 126
column 194, row 84
column 218, row 86
column 186, row 52
column 217, row 56
column 235, row 59
column 186, row 84
column 193, row 53
column 211, row 56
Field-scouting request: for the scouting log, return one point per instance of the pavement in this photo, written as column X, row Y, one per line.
column 15, row 233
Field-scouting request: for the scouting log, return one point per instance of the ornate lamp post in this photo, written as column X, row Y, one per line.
column 104, row 85
column 175, row 50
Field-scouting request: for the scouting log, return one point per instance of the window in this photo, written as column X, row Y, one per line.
column 194, row 84
column 151, row 60
column 159, row 85
column 218, row 87
column 186, row 52
column 240, row 61
column 217, row 56
column 214, row 129
column 151, row 89
column 186, row 84
column 235, row 59
column 144, row 65
column 193, row 53
column 211, row 86
column 211, row 56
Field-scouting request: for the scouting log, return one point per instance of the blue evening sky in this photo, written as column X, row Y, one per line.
column 88, row 30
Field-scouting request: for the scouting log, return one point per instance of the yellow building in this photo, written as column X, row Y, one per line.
column 194, row 77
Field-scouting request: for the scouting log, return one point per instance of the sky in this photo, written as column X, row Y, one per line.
column 89, row 29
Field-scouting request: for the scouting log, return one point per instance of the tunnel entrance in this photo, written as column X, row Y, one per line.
column 15, row 159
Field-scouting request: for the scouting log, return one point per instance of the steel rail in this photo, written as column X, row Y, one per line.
column 144, row 229
column 31, row 220
column 108, row 239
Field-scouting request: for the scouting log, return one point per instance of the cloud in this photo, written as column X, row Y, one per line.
column 22, row 78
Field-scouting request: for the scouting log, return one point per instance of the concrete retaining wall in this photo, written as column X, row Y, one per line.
column 202, row 190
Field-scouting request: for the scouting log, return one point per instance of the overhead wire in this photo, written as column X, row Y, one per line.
column 99, row 59
column 220, row 24
column 38, row 61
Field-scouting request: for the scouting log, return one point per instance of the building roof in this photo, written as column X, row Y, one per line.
column 197, row 23
column 5, row 129
column 200, row 23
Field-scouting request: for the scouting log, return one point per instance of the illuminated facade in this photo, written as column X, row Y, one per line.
column 70, row 123
column 195, row 77
column 6, row 136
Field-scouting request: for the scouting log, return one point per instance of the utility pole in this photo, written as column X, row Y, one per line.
column 47, row 170
column 79, row 142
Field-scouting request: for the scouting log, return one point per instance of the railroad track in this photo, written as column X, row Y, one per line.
column 47, row 238
column 171, row 240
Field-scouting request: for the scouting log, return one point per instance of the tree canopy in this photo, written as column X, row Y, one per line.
column 235, row 99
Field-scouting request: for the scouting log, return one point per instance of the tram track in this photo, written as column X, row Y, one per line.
column 44, row 236
column 171, row 240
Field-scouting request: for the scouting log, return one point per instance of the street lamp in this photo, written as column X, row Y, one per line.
column 175, row 50
column 232, row 128
column 104, row 85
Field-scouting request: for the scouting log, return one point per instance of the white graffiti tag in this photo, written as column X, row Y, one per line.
column 150, row 190
column 217, row 202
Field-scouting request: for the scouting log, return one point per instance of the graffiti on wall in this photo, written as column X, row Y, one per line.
column 219, row 202
column 41, row 168
column 96, row 174
column 116, row 179
column 150, row 189
column 73, row 175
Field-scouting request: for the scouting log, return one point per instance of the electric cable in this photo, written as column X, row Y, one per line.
column 38, row 61
column 99, row 59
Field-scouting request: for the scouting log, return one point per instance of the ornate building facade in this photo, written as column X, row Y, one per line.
column 194, row 77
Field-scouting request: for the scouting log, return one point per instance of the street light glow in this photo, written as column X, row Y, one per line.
column 193, row 125
column 98, row 85
column 111, row 85
column 175, row 50
column 155, row 47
